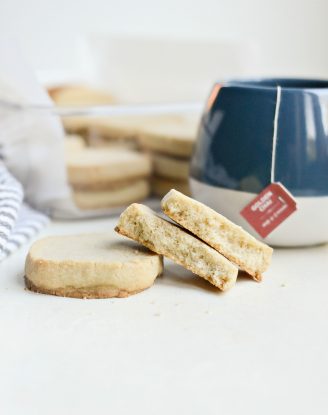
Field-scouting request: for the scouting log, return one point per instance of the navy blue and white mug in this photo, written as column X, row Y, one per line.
column 233, row 156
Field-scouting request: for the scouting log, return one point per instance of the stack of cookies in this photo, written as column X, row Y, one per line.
column 202, row 240
column 170, row 143
column 169, row 140
column 108, row 177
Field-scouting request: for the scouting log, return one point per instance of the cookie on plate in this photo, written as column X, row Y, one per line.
column 141, row 224
column 229, row 239
column 90, row 266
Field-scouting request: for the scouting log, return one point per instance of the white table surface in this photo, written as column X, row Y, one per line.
column 180, row 347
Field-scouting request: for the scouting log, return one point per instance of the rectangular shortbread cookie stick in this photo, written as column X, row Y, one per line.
column 141, row 224
column 229, row 239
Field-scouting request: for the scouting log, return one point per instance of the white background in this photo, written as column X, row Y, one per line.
column 292, row 34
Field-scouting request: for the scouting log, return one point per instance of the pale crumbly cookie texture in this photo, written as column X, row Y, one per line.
column 96, row 167
column 170, row 167
column 141, row 224
column 90, row 266
column 175, row 136
column 230, row 240
column 118, row 195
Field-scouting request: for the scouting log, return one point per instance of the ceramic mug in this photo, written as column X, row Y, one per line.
column 232, row 159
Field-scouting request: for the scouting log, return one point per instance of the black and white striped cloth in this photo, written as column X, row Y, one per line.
column 18, row 222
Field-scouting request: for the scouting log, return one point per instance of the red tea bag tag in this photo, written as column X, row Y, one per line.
column 269, row 209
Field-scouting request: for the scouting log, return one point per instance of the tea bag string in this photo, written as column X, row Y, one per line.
column 275, row 135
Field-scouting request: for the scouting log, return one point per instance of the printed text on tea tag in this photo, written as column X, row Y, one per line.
column 269, row 209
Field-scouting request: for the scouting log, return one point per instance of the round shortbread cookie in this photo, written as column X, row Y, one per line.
column 117, row 196
column 90, row 266
column 160, row 186
column 175, row 136
column 99, row 166
column 170, row 167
